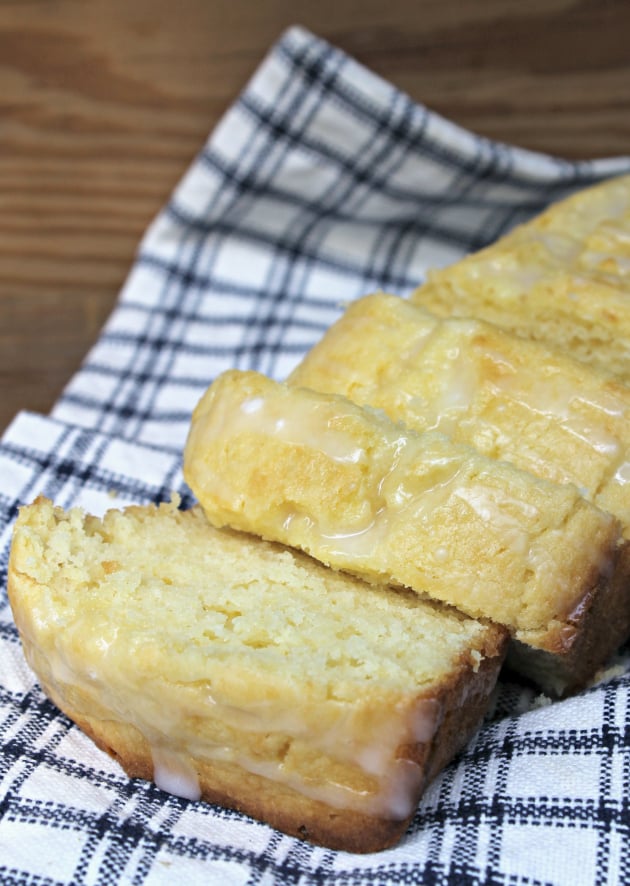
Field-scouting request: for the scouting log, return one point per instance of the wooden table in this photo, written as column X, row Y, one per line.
column 105, row 102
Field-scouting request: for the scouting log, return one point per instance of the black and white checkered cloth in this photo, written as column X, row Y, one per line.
column 321, row 184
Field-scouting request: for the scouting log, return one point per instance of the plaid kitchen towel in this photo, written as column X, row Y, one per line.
column 321, row 183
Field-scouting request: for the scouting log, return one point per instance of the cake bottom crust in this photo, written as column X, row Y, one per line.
column 463, row 704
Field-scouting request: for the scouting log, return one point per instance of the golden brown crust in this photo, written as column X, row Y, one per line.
column 582, row 645
column 231, row 787
column 463, row 700
column 468, row 704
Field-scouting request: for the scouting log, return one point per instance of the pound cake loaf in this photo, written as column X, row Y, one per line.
column 363, row 494
column 563, row 278
column 230, row 669
column 510, row 398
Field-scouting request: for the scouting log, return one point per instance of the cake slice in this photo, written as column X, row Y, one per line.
column 230, row 669
column 563, row 278
column 509, row 398
column 363, row 494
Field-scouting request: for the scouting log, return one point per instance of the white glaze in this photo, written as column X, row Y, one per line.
column 394, row 796
column 371, row 747
column 301, row 426
column 495, row 508
column 397, row 781
column 174, row 773
column 622, row 474
column 360, row 543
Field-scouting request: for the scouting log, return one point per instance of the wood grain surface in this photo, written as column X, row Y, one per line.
column 103, row 104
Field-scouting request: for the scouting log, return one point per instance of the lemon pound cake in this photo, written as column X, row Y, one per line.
column 563, row 278
column 510, row 398
column 362, row 494
column 226, row 668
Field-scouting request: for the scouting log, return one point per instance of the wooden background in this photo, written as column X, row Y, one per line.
column 103, row 104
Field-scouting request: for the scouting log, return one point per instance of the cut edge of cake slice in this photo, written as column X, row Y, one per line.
column 233, row 670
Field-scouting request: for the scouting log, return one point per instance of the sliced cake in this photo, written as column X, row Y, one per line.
column 366, row 495
column 229, row 669
column 509, row 398
column 563, row 278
